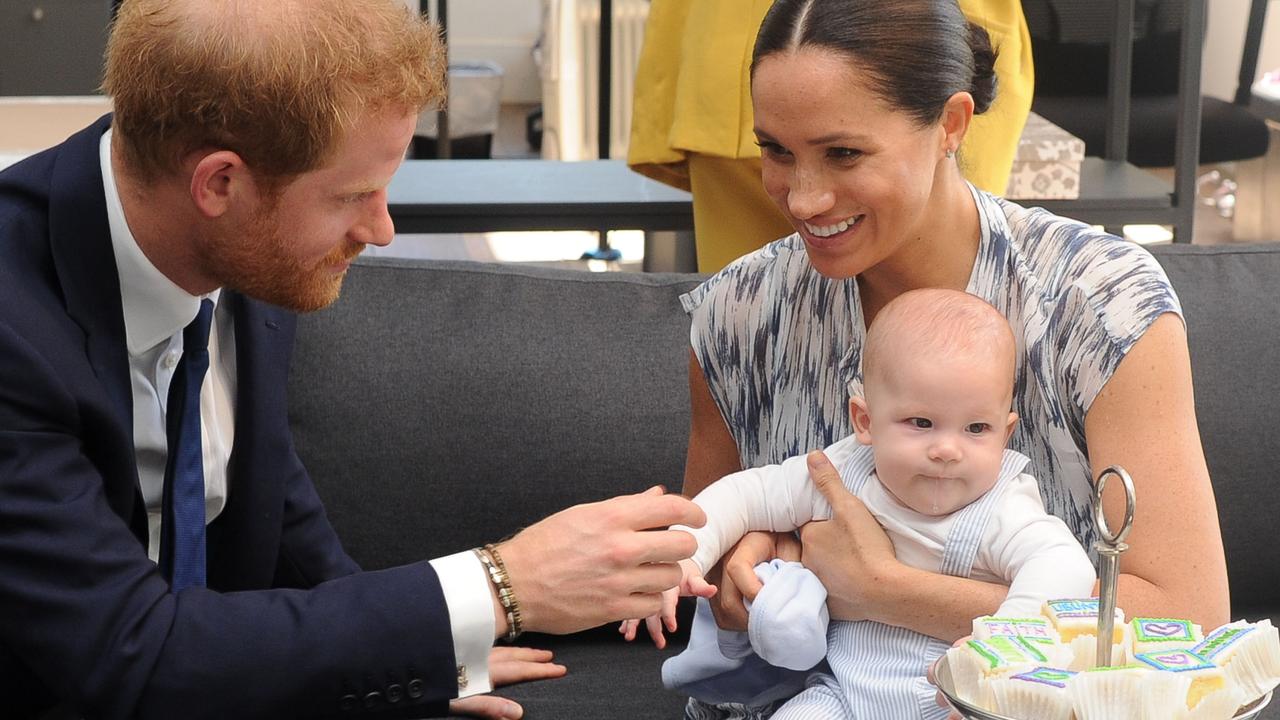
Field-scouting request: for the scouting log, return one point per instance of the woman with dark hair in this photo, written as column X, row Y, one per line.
column 692, row 124
column 859, row 107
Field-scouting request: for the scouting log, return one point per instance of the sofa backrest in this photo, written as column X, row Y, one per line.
column 439, row 405
column 1231, row 300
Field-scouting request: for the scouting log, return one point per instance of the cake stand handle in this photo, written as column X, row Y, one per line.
column 1109, row 546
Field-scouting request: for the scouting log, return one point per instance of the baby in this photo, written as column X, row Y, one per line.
column 928, row 459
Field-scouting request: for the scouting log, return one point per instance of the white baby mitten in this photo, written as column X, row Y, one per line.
column 787, row 625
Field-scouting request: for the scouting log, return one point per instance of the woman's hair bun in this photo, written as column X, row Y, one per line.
column 983, row 89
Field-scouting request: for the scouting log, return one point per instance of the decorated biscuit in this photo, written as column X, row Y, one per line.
column 1037, row 631
column 1076, row 621
column 975, row 663
column 1147, row 635
column 1205, row 677
column 1074, row 617
column 1249, row 653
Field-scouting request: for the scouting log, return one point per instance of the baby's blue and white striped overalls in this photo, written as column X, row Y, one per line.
column 877, row 670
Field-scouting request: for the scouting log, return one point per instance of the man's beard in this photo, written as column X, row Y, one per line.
column 258, row 262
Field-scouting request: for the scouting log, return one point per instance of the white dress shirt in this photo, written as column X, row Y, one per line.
column 155, row 313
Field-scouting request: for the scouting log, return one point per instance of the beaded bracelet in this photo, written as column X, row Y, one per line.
column 497, row 570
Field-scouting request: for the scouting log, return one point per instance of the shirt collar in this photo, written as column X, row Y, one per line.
column 155, row 308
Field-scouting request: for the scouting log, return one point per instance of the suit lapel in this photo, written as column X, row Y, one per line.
column 80, row 240
column 80, row 243
column 243, row 540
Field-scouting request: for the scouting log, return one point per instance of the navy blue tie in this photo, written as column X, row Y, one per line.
column 182, row 558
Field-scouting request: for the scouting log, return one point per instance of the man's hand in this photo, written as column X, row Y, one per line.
column 601, row 562
column 737, row 574
column 850, row 553
column 508, row 665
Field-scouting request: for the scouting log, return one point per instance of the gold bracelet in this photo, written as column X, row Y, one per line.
column 497, row 571
column 507, row 596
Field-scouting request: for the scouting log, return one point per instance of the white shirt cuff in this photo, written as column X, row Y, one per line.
column 466, row 593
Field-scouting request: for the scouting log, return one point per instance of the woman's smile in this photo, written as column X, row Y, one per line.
column 825, row 235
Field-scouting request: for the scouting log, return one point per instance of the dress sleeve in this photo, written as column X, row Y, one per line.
column 1115, row 291
column 777, row 343
column 730, row 330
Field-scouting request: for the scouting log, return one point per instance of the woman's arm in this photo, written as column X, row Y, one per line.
column 712, row 451
column 712, row 455
column 1144, row 420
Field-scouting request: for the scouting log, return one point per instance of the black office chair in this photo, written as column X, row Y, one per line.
column 1070, row 46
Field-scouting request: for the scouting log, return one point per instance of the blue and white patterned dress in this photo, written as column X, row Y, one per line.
column 781, row 345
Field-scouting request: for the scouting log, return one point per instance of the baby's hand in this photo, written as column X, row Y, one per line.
column 692, row 583
column 666, row 616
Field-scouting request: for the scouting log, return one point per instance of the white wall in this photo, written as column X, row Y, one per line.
column 502, row 31
column 1225, row 41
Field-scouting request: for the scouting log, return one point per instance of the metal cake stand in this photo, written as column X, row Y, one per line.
column 1109, row 548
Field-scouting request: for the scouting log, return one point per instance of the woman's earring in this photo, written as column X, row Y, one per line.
column 950, row 153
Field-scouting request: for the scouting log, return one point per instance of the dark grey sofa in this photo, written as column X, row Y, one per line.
column 440, row 405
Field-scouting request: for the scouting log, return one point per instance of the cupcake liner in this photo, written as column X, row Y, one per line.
column 1261, row 655
column 1027, row 700
column 1084, row 653
column 1164, row 695
column 966, row 676
column 1129, row 693
column 1113, row 695
column 1218, row 705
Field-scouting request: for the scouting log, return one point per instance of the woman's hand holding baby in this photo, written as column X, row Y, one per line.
column 692, row 583
column 738, row 581
column 850, row 553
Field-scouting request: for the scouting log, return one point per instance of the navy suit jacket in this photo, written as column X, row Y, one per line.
column 288, row 626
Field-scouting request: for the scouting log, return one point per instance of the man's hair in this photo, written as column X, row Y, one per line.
column 278, row 82
column 933, row 322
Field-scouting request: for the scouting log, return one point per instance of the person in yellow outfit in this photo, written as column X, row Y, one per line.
column 692, row 126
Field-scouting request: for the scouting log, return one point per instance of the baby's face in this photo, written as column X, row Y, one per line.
column 937, row 428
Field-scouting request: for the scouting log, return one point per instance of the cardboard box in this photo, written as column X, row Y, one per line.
column 1047, row 163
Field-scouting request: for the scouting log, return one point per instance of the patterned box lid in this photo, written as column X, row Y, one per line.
column 1042, row 141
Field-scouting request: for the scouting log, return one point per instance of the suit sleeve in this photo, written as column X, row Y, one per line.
column 89, row 614
column 310, row 551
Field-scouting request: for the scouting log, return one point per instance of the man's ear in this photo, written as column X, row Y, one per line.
column 219, row 180
column 957, row 113
column 860, row 417
column 1009, row 426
